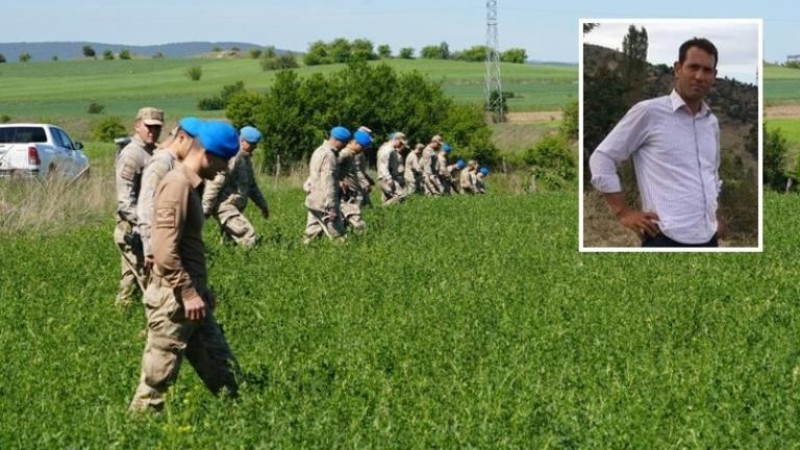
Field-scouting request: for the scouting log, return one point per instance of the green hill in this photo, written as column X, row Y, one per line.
column 64, row 89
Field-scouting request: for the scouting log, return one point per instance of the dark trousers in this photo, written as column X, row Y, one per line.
column 661, row 240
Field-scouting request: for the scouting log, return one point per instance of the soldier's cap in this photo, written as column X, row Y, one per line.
column 399, row 136
column 250, row 134
column 446, row 148
column 461, row 164
column 436, row 138
column 485, row 171
column 191, row 125
column 340, row 133
column 219, row 138
column 363, row 138
column 419, row 146
column 151, row 116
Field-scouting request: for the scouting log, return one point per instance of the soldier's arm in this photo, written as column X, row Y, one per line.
column 211, row 193
column 126, row 173
column 171, row 204
column 328, row 180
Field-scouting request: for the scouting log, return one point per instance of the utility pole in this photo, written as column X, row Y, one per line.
column 494, row 89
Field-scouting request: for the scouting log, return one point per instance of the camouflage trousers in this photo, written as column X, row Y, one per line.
column 319, row 223
column 133, row 273
column 392, row 191
column 170, row 337
column 235, row 226
column 432, row 185
column 351, row 214
column 414, row 186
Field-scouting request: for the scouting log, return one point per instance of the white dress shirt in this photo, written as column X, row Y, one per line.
column 676, row 157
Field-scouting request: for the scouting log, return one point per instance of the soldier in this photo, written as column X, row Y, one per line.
column 467, row 179
column 226, row 196
column 322, row 189
column 413, row 172
column 443, row 171
column 480, row 187
column 430, row 167
column 162, row 161
column 454, row 170
column 401, row 164
column 361, row 167
column 391, row 181
column 349, row 181
column 130, row 164
column 178, row 302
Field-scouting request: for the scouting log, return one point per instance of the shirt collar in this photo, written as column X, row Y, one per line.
column 678, row 103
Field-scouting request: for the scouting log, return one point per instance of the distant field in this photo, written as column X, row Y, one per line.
column 781, row 85
column 65, row 88
column 789, row 127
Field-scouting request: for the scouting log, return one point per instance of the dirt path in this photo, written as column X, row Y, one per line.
column 782, row 112
column 534, row 116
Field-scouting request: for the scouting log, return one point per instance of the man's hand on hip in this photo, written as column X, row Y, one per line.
column 640, row 222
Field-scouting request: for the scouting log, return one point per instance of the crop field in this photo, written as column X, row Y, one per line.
column 781, row 85
column 456, row 322
column 65, row 88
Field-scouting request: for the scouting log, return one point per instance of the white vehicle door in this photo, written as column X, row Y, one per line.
column 65, row 164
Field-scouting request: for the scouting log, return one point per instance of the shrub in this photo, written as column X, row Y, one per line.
column 287, row 61
column 775, row 147
column 5, row 118
column 552, row 162
column 2, row 58
column 220, row 101
column 96, row 108
column 384, row 51
column 88, row 51
column 107, row 129
column 514, row 55
column 569, row 125
column 108, row 55
column 255, row 53
column 406, row 53
column 125, row 54
column 24, row 57
column 158, row 55
column 194, row 73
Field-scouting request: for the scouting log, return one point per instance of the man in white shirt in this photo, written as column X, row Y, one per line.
column 675, row 145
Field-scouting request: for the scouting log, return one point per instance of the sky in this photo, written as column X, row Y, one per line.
column 548, row 31
column 736, row 42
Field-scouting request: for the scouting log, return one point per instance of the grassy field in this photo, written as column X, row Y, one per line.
column 781, row 85
column 457, row 322
column 65, row 88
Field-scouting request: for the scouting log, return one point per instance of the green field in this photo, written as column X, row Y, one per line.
column 790, row 128
column 65, row 88
column 456, row 322
column 781, row 85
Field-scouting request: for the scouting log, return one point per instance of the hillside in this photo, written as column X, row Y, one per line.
column 44, row 51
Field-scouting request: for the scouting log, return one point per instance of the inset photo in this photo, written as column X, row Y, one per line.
column 671, row 135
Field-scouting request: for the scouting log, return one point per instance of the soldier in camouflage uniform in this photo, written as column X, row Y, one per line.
column 162, row 161
column 226, row 196
column 322, row 189
column 443, row 170
column 178, row 302
column 391, row 181
column 130, row 164
column 430, row 168
column 361, row 167
column 413, row 171
column 349, row 181
column 480, row 186
column 467, row 179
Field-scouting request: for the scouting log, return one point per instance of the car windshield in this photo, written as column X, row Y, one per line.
column 22, row 135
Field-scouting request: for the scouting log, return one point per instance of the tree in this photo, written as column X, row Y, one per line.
column 194, row 73
column 431, row 52
column 285, row 61
column 406, row 53
column 317, row 54
column 88, row 51
column 216, row 49
column 361, row 50
column 108, row 55
column 2, row 58
column 588, row 27
column 24, row 57
column 124, row 54
column 340, row 50
column 255, row 53
column 634, row 64
column 514, row 55
column 384, row 51
column 158, row 55
column 54, row 58
column 476, row 53
column 775, row 148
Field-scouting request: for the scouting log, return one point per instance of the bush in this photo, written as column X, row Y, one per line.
column 287, row 61
column 221, row 101
column 5, row 118
column 514, row 55
column 107, row 129
column 552, row 162
column 194, row 73
column 2, row 58
column 125, row 54
column 406, row 53
column 255, row 53
column 108, row 55
column 775, row 147
column 569, row 125
column 96, row 108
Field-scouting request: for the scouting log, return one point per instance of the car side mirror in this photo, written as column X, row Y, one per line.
column 78, row 145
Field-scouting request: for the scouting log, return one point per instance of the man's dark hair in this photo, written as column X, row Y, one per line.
column 701, row 43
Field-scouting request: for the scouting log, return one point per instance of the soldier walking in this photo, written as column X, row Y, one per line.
column 430, row 168
column 130, row 164
column 413, row 171
column 349, row 182
column 322, row 189
column 226, row 196
column 388, row 174
column 178, row 302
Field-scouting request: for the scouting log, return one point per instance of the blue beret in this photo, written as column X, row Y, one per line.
column 191, row 125
column 250, row 134
column 363, row 138
column 340, row 133
column 219, row 138
column 446, row 148
column 461, row 164
column 485, row 171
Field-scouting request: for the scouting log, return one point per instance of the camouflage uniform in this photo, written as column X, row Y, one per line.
column 180, row 274
column 129, row 167
column 226, row 198
column 352, row 192
column 391, row 182
column 443, row 173
column 430, row 168
column 322, row 195
column 366, row 181
column 480, row 187
column 413, row 173
column 160, row 164
column 467, row 182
